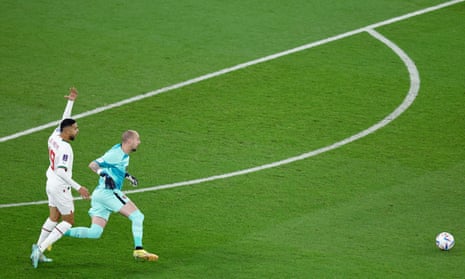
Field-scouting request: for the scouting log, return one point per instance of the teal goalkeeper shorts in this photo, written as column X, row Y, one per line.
column 105, row 201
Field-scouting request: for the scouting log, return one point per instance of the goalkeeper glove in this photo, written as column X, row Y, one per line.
column 132, row 179
column 109, row 182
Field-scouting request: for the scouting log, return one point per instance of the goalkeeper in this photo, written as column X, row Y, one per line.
column 108, row 197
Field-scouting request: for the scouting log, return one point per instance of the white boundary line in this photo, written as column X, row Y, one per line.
column 231, row 69
column 408, row 100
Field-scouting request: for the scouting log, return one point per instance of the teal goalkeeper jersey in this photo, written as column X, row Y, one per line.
column 114, row 162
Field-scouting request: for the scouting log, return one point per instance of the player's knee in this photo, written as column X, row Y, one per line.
column 137, row 216
column 95, row 231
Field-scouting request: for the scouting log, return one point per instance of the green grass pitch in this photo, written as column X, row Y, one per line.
column 369, row 209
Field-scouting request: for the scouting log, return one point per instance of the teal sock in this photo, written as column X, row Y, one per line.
column 95, row 231
column 137, row 219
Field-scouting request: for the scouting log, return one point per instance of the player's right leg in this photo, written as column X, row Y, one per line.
column 60, row 196
column 100, row 215
column 48, row 226
column 94, row 232
column 55, row 235
column 35, row 255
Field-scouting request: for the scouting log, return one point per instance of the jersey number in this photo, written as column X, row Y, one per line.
column 52, row 159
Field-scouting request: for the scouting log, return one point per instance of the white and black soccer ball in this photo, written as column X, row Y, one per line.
column 445, row 241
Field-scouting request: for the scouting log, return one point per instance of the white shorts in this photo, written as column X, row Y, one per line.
column 60, row 196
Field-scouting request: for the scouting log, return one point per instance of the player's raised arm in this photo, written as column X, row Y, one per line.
column 72, row 96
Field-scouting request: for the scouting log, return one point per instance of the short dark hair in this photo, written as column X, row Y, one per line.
column 66, row 122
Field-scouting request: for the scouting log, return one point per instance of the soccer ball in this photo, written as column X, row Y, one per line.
column 445, row 241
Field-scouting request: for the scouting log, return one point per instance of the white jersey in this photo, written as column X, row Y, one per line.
column 61, row 156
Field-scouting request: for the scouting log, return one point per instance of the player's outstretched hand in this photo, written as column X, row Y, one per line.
column 73, row 93
column 84, row 192
column 132, row 179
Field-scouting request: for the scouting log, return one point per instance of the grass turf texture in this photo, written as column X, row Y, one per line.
column 369, row 209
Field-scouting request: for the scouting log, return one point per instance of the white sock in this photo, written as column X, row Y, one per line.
column 56, row 234
column 47, row 228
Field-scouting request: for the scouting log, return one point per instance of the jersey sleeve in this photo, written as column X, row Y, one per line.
column 68, row 179
column 107, row 160
column 64, row 158
column 68, row 110
column 66, row 114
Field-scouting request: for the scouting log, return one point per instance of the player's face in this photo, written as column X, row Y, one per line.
column 135, row 141
column 72, row 131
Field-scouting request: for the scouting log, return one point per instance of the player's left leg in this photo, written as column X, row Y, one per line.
column 137, row 219
column 131, row 211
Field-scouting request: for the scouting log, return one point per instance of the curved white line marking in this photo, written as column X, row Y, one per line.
column 234, row 68
column 408, row 100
